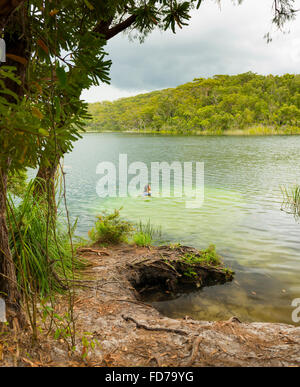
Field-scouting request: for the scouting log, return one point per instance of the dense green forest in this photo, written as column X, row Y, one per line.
column 246, row 102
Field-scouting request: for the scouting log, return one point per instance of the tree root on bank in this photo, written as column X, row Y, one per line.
column 90, row 250
column 159, row 329
column 195, row 351
column 168, row 272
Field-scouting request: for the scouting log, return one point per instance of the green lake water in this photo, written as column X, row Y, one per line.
column 241, row 215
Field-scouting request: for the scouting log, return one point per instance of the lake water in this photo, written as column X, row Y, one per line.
column 241, row 215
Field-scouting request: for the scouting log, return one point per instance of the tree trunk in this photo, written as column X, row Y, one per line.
column 44, row 184
column 17, row 46
column 8, row 281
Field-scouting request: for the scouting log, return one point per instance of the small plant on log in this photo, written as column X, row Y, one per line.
column 175, row 246
column 208, row 256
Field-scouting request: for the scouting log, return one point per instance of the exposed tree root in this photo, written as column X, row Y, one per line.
column 158, row 329
column 195, row 351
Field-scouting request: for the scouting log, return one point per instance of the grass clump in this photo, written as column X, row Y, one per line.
column 149, row 229
column 110, row 229
column 142, row 239
column 146, row 234
column 208, row 257
column 40, row 245
column 175, row 246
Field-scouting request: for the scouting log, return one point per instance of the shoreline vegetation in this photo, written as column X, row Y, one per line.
column 244, row 104
column 253, row 131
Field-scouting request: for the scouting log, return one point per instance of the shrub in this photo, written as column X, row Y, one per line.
column 110, row 228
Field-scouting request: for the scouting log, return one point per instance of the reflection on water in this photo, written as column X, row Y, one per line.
column 241, row 215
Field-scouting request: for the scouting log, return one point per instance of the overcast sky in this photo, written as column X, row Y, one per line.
column 229, row 40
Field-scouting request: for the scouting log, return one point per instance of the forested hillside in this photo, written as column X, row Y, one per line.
column 247, row 102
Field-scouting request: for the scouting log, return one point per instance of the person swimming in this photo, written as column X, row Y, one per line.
column 147, row 190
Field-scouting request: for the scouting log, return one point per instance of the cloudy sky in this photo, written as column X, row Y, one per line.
column 229, row 40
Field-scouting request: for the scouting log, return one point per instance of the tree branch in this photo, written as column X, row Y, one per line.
column 8, row 6
column 103, row 27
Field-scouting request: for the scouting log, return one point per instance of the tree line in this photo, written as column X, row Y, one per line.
column 215, row 105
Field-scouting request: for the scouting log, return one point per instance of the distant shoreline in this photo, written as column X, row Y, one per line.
column 245, row 133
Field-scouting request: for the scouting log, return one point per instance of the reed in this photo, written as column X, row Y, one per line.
column 147, row 228
column 291, row 200
column 142, row 239
column 146, row 234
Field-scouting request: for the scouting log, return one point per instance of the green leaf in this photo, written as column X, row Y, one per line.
column 57, row 334
column 44, row 132
column 89, row 5
column 62, row 76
